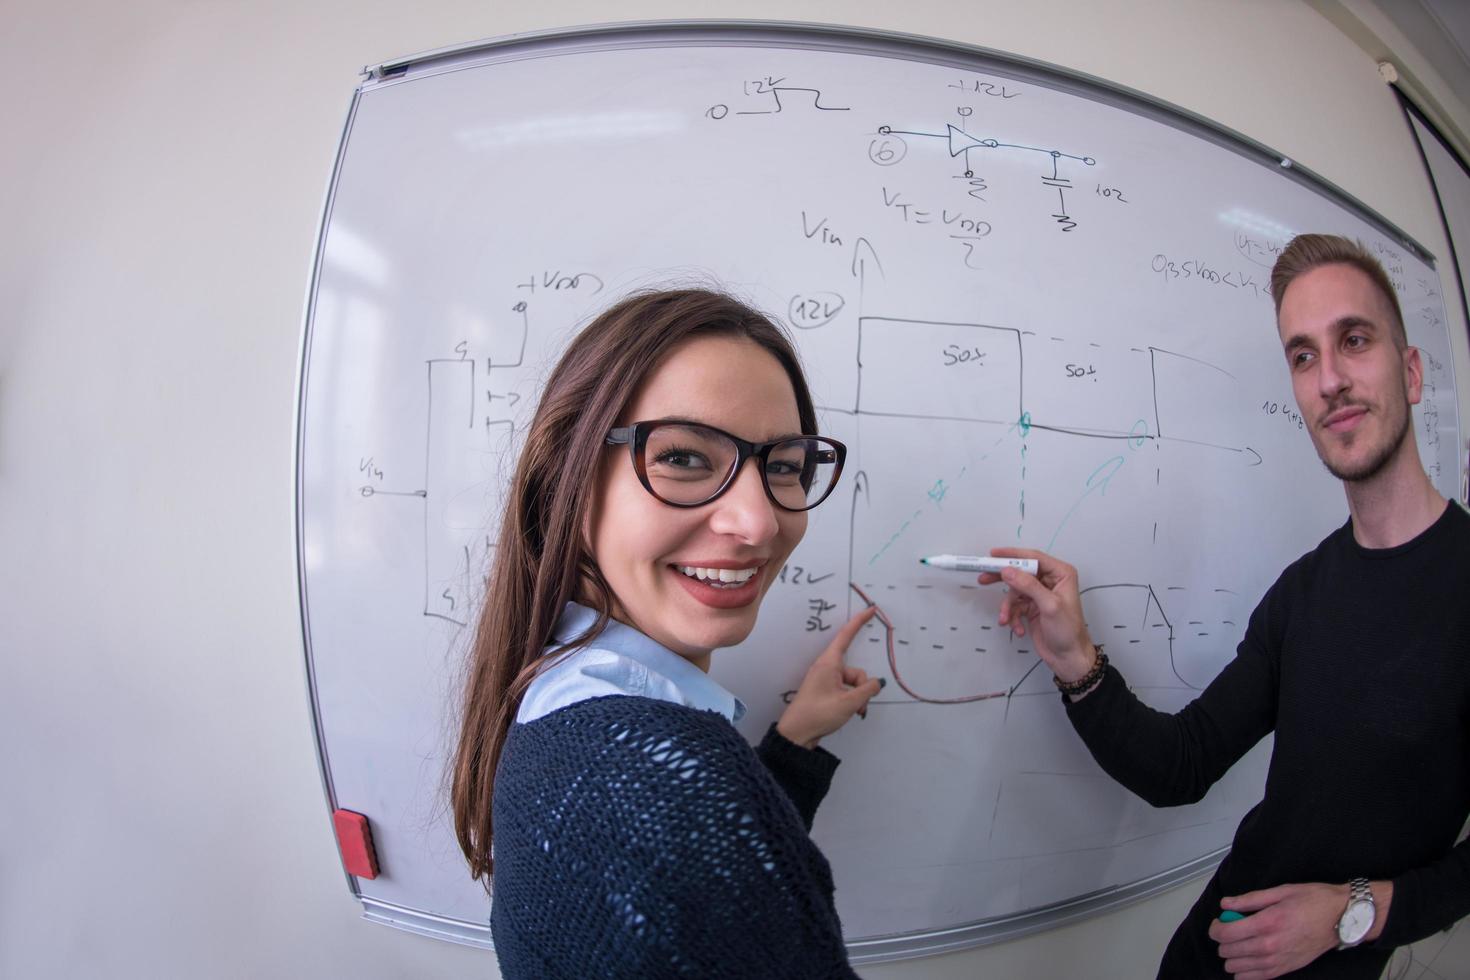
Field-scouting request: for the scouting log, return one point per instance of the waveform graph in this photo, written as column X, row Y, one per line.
column 1208, row 622
column 1088, row 500
column 1089, row 388
column 943, row 646
column 932, row 486
column 928, row 369
column 1129, row 621
column 1197, row 401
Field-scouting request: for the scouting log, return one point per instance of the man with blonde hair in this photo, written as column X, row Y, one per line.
column 1357, row 658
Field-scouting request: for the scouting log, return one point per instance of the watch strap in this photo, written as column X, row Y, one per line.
column 1359, row 890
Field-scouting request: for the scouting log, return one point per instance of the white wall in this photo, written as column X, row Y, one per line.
column 163, row 165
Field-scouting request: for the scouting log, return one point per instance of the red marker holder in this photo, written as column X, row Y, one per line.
column 355, row 840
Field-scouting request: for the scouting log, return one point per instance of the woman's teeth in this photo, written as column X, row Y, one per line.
column 730, row 578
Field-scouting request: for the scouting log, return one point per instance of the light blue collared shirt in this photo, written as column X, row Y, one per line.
column 620, row 660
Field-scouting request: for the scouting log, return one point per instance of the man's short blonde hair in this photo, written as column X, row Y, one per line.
column 1306, row 252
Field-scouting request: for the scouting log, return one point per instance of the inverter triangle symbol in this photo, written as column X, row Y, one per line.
column 960, row 141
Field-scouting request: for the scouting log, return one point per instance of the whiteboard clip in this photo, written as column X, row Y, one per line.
column 378, row 73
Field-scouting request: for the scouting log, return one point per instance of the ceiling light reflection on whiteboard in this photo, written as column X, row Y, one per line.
column 604, row 127
column 348, row 252
column 1260, row 224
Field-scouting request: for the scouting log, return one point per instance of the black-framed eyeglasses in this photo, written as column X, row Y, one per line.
column 686, row 464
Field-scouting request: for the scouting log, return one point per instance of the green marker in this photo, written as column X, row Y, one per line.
column 1231, row 916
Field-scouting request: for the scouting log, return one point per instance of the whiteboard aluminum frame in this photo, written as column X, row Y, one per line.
column 298, row 446
column 882, row 949
column 817, row 37
column 870, row 41
column 426, row 923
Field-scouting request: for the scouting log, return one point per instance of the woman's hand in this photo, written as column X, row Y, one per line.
column 1049, row 605
column 831, row 692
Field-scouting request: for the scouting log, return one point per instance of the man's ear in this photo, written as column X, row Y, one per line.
column 1413, row 374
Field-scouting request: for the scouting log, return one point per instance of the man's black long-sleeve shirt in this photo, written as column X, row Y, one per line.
column 1359, row 660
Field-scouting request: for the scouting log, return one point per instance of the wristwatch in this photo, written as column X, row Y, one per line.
column 1357, row 918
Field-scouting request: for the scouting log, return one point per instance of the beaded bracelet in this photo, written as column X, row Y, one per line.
column 1086, row 681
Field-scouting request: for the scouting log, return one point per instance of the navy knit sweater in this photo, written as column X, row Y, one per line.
column 639, row 838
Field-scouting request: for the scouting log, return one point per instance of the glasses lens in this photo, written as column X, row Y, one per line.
column 687, row 464
column 800, row 472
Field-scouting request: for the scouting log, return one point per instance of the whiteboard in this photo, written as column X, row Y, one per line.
column 1036, row 310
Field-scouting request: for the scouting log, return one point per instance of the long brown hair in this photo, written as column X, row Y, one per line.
column 541, row 559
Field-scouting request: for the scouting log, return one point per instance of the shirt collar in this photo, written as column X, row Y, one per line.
column 698, row 689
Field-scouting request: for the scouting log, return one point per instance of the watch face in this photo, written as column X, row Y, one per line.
column 1355, row 922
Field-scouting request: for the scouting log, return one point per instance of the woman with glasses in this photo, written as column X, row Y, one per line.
column 630, row 830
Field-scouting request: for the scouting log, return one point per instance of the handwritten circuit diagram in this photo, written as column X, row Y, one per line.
column 473, row 407
column 972, row 394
